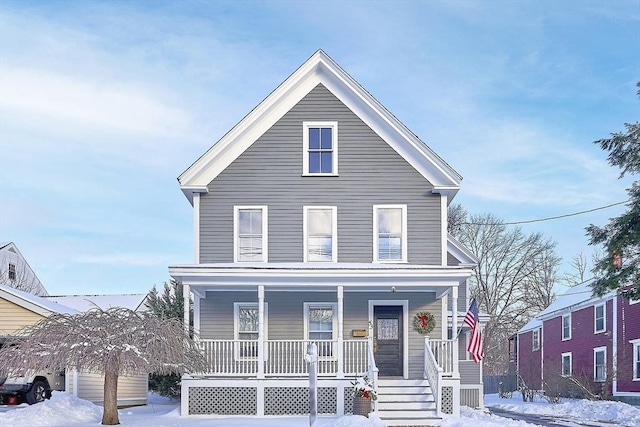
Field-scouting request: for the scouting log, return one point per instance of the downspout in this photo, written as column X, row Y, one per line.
column 614, row 345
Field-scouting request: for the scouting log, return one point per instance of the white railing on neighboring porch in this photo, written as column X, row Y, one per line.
column 285, row 357
column 433, row 373
column 443, row 352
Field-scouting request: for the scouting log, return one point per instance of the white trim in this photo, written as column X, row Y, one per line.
column 265, row 232
column 443, row 230
column 614, row 344
column 75, row 382
column 604, row 318
column 334, row 231
column 598, row 350
column 405, row 328
column 186, row 295
column 562, row 327
column 562, row 356
column 196, row 228
column 404, row 257
column 333, row 125
column 236, row 332
column 636, row 372
column 196, row 314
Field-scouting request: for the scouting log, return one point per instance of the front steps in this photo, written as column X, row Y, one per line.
column 406, row 403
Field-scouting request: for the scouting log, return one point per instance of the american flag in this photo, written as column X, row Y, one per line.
column 475, row 342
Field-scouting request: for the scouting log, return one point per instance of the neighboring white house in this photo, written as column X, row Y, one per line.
column 19, row 309
column 16, row 272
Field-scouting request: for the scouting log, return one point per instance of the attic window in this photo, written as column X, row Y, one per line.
column 320, row 148
column 12, row 271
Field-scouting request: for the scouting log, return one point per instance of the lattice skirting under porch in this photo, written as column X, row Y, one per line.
column 447, row 400
column 276, row 400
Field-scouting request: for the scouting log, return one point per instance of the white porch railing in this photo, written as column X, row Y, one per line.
column 373, row 372
column 443, row 352
column 284, row 357
column 433, row 373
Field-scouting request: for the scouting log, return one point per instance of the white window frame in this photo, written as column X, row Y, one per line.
column 636, row 359
column 334, row 326
column 535, row 344
column 236, row 332
column 265, row 232
column 566, row 338
column 595, row 318
column 599, row 350
column 334, row 147
column 562, row 373
column 334, row 231
column 404, row 257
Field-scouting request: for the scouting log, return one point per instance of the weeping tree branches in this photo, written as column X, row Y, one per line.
column 514, row 278
column 112, row 342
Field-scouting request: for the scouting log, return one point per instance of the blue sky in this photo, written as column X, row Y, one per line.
column 104, row 104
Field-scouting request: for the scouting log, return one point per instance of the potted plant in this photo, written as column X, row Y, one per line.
column 363, row 394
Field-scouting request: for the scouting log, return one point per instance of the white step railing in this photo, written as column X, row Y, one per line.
column 373, row 371
column 433, row 373
column 443, row 352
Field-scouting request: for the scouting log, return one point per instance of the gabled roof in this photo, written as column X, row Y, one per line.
column 33, row 303
column 574, row 298
column 11, row 247
column 133, row 302
column 460, row 252
column 319, row 69
column 532, row 324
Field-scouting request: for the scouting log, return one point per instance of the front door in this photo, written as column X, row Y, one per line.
column 387, row 339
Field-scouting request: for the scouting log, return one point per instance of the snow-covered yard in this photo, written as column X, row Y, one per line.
column 66, row 410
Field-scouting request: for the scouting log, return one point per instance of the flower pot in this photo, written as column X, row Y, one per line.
column 361, row 406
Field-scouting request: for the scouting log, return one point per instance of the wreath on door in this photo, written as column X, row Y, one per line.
column 424, row 322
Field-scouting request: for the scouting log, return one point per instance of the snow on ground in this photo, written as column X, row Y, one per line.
column 66, row 410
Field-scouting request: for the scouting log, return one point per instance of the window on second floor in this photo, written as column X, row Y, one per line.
column 390, row 233
column 600, row 364
column 320, row 148
column 566, row 327
column 250, row 234
column 320, row 239
column 12, row 271
column 599, row 318
column 566, row 364
column 535, row 338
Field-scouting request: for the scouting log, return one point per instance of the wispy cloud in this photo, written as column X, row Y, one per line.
column 129, row 259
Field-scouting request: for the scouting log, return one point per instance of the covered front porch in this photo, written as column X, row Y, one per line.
column 361, row 322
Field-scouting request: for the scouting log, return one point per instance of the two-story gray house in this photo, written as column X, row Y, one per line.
column 321, row 218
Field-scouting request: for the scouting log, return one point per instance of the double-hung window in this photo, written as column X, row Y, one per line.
column 566, row 364
column 566, row 327
column 321, row 326
column 320, row 148
column 600, row 364
column 246, row 323
column 390, row 233
column 636, row 359
column 250, row 234
column 599, row 318
column 12, row 271
column 535, row 338
column 320, row 239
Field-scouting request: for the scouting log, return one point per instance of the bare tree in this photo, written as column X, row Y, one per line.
column 512, row 282
column 579, row 273
column 113, row 342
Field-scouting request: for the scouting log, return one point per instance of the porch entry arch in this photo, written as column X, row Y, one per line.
column 404, row 325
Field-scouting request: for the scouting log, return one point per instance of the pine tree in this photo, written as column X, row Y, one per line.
column 619, row 267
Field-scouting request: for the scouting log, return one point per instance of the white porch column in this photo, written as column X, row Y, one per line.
column 186, row 294
column 340, row 331
column 260, row 333
column 454, row 331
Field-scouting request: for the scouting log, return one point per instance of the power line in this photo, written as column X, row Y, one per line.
column 529, row 221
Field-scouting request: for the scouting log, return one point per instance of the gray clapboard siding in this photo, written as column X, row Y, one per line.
column 370, row 172
column 469, row 372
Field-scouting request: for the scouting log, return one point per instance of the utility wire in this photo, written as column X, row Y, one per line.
column 529, row 221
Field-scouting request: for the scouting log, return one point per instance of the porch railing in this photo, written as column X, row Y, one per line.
column 443, row 352
column 433, row 374
column 373, row 372
column 285, row 357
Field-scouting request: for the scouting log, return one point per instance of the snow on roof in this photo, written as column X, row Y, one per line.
column 87, row 302
column 576, row 295
column 532, row 324
column 42, row 302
